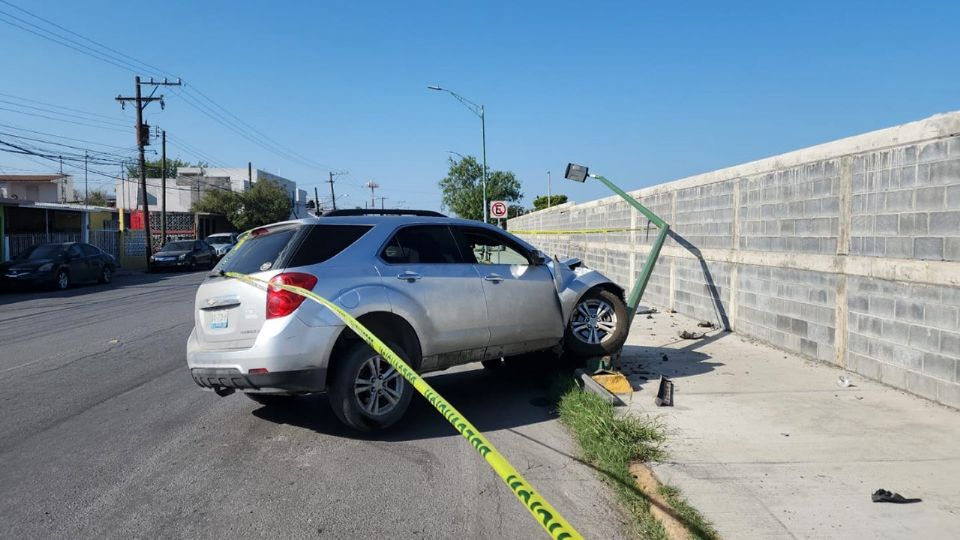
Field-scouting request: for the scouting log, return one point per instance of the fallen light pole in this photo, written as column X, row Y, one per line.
column 580, row 173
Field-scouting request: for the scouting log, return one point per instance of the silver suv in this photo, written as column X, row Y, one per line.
column 439, row 291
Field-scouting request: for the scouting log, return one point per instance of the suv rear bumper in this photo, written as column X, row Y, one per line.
column 304, row 380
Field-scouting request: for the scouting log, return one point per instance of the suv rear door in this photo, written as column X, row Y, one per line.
column 523, row 311
column 230, row 313
column 423, row 263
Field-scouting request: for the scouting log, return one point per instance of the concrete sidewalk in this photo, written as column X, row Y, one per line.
column 767, row 445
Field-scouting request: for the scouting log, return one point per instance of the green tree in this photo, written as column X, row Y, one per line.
column 154, row 167
column 97, row 198
column 541, row 202
column 264, row 203
column 462, row 189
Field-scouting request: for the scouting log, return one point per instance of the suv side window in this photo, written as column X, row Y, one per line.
column 89, row 250
column 74, row 251
column 422, row 244
column 487, row 247
column 323, row 242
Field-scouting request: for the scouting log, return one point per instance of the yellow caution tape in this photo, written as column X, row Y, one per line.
column 542, row 511
column 581, row 231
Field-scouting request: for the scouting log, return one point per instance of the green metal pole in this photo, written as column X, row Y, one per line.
column 641, row 285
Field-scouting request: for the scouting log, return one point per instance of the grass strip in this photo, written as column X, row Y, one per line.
column 610, row 443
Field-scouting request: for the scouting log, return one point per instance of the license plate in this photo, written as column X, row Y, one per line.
column 218, row 320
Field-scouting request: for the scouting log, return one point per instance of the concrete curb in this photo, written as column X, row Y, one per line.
column 590, row 385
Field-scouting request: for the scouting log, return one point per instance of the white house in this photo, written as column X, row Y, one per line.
column 47, row 188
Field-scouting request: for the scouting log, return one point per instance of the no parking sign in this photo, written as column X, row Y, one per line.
column 498, row 209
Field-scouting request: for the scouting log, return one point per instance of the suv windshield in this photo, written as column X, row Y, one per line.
column 185, row 245
column 219, row 239
column 45, row 251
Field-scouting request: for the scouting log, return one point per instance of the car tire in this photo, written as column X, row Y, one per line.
column 106, row 274
column 351, row 392
column 63, row 280
column 590, row 335
column 271, row 400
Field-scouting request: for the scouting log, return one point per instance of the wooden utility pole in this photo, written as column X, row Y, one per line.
column 333, row 196
column 316, row 201
column 163, row 189
column 143, row 139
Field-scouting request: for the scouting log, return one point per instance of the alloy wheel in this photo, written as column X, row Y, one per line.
column 378, row 386
column 63, row 280
column 594, row 321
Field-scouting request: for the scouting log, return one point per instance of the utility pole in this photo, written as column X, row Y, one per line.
column 373, row 199
column 316, row 201
column 382, row 198
column 63, row 183
column 86, row 191
column 163, row 189
column 143, row 139
column 333, row 196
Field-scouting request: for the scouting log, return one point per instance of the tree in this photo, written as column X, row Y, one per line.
column 97, row 198
column 541, row 202
column 154, row 167
column 264, row 203
column 462, row 189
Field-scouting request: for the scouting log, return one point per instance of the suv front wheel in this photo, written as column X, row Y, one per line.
column 598, row 325
column 366, row 392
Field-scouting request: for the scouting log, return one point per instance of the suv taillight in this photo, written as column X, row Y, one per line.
column 281, row 303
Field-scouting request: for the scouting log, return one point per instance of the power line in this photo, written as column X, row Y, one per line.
column 18, row 128
column 62, row 120
column 87, row 113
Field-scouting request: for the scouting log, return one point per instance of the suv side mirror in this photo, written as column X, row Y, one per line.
column 539, row 259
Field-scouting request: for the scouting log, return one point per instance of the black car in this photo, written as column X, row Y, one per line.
column 191, row 254
column 59, row 265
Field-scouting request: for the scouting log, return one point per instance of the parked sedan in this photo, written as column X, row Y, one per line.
column 190, row 254
column 59, row 265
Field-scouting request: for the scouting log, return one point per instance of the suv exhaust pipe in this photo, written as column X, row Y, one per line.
column 223, row 391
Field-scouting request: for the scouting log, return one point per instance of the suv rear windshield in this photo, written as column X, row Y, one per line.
column 258, row 253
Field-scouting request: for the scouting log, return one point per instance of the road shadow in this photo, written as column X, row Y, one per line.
column 516, row 395
column 136, row 278
column 644, row 365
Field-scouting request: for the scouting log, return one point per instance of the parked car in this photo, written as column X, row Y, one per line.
column 439, row 291
column 179, row 254
column 222, row 242
column 59, row 265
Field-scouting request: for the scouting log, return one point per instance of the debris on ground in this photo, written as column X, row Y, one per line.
column 664, row 357
column 649, row 316
column 882, row 495
column 844, row 382
column 671, row 310
column 691, row 335
column 647, row 311
column 706, row 324
column 664, row 393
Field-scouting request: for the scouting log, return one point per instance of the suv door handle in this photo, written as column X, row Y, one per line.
column 496, row 278
column 409, row 276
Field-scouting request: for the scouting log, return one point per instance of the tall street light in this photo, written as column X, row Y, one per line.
column 477, row 110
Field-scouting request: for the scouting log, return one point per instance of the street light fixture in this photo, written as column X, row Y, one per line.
column 479, row 111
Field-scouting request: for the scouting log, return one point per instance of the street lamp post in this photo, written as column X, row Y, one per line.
column 479, row 111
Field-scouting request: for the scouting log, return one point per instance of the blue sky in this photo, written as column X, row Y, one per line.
column 642, row 92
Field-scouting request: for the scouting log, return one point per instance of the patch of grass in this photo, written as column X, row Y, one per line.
column 610, row 443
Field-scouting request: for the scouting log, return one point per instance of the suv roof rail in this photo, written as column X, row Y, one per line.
column 384, row 212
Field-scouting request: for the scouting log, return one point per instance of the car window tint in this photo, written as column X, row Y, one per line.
column 74, row 251
column 259, row 253
column 323, row 242
column 430, row 244
column 89, row 250
column 487, row 247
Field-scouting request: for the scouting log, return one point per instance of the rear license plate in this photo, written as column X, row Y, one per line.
column 218, row 320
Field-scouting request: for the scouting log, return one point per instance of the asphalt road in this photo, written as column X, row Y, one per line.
column 104, row 434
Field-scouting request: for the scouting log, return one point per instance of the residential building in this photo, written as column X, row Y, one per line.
column 47, row 188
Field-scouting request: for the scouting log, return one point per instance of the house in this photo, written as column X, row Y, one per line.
column 46, row 188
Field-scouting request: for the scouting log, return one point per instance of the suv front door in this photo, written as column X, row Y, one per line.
column 425, row 273
column 523, row 311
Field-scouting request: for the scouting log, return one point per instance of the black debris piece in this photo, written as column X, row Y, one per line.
column 706, row 324
column 691, row 335
column 882, row 495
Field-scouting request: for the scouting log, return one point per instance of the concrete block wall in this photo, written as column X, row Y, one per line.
column 847, row 252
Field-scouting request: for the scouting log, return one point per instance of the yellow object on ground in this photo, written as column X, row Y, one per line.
column 546, row 515
column 615, row 383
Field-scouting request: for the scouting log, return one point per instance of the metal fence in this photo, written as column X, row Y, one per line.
column 106, row 239
column 20, row 242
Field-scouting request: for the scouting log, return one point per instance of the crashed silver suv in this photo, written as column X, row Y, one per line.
column 439, row 291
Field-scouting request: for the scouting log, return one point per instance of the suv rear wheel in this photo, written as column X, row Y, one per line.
column 367, row 393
